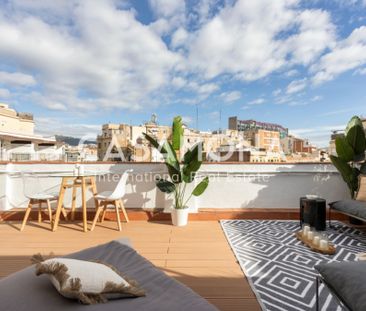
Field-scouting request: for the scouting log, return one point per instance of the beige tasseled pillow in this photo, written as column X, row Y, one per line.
column 89, row 282
column 361, row 193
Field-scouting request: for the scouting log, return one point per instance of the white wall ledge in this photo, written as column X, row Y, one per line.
column 241, row 185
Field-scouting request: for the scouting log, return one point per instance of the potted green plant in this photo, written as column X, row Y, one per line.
column 181, row 172
column 350, row 159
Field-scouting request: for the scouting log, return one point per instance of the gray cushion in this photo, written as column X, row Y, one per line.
column 348, row 279
column 353, row 207
column 124, row 241
column 24, row 289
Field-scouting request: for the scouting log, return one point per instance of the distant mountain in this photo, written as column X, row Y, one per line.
column 72, row 141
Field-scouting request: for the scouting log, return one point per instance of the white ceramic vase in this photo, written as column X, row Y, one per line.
column 180, row 217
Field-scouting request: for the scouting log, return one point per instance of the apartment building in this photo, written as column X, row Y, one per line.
column 263, row 139
column 114, row 144
column 261, row 135
column 85, row 153
column 124, row 142
column 292, row 144
column 18, row 141
column 252, row 125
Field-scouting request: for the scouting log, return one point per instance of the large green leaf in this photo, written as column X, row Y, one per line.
column 349, row 174
column 355, row 135
column 344, row 150
column 343, row 167
column 192, row 163
column 172, row 163
column 165, row 186
column 201, row 187
column 177, row 133
column 170, row 158
column 155, row 143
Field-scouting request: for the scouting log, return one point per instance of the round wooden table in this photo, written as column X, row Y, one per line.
column 83, row 181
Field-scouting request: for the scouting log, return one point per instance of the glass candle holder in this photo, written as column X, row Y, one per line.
column 305, row 230
column 316, row 240
column 323, row 244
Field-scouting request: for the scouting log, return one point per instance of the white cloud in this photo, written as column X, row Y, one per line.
column 170, row 14
column 203, row 89
column 187, row 119
column 230, row 97
column 203, row 11
column 92, row 54
column 4, row 93
column 245, row 39
column 315, row 130
column 179, row 37
column 361, row 71
column 59, row 126
column 296, row 86
column 257, row 101
column 179, row 82
column 320, row 135
column 167, row 8
column 16, row 79
column 207, row 88
column 316, row 33
column 107, row 55
column 348, row 54
column 291, row 73
column 316, row 98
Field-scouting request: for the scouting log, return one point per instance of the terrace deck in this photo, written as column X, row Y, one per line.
column 197, row 255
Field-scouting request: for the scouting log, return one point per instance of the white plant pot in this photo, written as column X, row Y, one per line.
column 180, row 217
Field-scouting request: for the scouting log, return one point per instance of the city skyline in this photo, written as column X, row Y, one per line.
column 79, row 64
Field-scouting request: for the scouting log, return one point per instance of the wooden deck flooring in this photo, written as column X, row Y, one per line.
column 197, row 255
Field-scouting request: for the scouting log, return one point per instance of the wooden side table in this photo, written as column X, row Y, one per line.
column 313, row 212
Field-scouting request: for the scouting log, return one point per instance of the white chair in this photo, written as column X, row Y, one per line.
column 33, row 192
column 114, row 198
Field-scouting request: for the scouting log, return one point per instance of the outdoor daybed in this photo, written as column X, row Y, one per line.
column 25, row 291
column 353, row 208
column 346, row 281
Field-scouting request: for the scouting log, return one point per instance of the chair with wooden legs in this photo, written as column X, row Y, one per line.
column 37, row 197
column 114, row 198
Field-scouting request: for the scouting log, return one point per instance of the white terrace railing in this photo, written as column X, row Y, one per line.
column 238, row 185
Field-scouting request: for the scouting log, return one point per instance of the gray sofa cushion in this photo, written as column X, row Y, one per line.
column 348, row 279
column 23, row 290
column 353, row 207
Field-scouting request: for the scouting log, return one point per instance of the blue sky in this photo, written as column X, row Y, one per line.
column 79, row 64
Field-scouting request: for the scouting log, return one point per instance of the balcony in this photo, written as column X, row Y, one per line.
column 197, row 255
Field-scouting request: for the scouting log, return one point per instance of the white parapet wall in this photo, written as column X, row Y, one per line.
column 231, row 185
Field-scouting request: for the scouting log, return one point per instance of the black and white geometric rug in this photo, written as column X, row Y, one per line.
column 280, row 269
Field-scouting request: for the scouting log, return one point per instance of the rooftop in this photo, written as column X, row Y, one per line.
column 198, row 255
